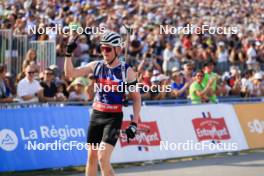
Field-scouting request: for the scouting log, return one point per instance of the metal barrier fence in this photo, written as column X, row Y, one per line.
column 46, row 53
column 13, row 49
column 6, row 47
column 173, row 102
column 19, row 51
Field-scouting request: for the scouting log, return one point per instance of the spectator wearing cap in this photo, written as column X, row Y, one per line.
column 158, row 89
column 178, row 85
column 258, row 86
column 164, row 82
column 57, row 74
column 78, row 93
column 209, row 74
column 155, row 73
column 154, row 92
column 5, row 95
column 197, row 93
column 29, row 89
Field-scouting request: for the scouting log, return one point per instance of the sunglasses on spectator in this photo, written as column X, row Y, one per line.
column 106, row 49
column 31, row 72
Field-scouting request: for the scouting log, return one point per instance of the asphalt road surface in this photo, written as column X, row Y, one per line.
column 251, row 164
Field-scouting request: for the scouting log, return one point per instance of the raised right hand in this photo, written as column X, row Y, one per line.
column 72, row 45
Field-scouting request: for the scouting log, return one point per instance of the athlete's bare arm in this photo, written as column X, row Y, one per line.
column 72, row 72
column 135, row 95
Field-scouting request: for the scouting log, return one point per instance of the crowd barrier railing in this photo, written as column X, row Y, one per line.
column 13, row 49
column 46, row 53
column 231, row 100
column 6, row 47
column 19, row 51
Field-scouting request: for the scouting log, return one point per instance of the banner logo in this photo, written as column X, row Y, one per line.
column 8, row 140
column 256, row 126
column 208, row 128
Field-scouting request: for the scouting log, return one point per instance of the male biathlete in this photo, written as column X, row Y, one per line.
column 107, row 115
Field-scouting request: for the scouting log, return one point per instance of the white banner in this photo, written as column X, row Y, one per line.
column 180, row 131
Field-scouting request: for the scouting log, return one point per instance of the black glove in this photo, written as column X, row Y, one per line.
column 131, row 131
column 71, row 47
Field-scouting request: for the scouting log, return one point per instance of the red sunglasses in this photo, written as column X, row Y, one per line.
column 106, row 49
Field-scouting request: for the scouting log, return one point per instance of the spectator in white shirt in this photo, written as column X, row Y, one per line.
column 222, row 58
column 29, row 89
column 247, row 84
column 169, row 59
column 251, row 56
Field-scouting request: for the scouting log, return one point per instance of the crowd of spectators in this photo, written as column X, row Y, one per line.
column 201, row 67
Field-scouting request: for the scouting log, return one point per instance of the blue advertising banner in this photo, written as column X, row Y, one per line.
column 47, row 137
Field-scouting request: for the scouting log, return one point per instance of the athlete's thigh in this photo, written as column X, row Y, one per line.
column 112, row 129
column 95, row 129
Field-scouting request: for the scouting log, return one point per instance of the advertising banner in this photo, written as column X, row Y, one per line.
column 251, row 117
column 37, row 138
column 179, row 131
